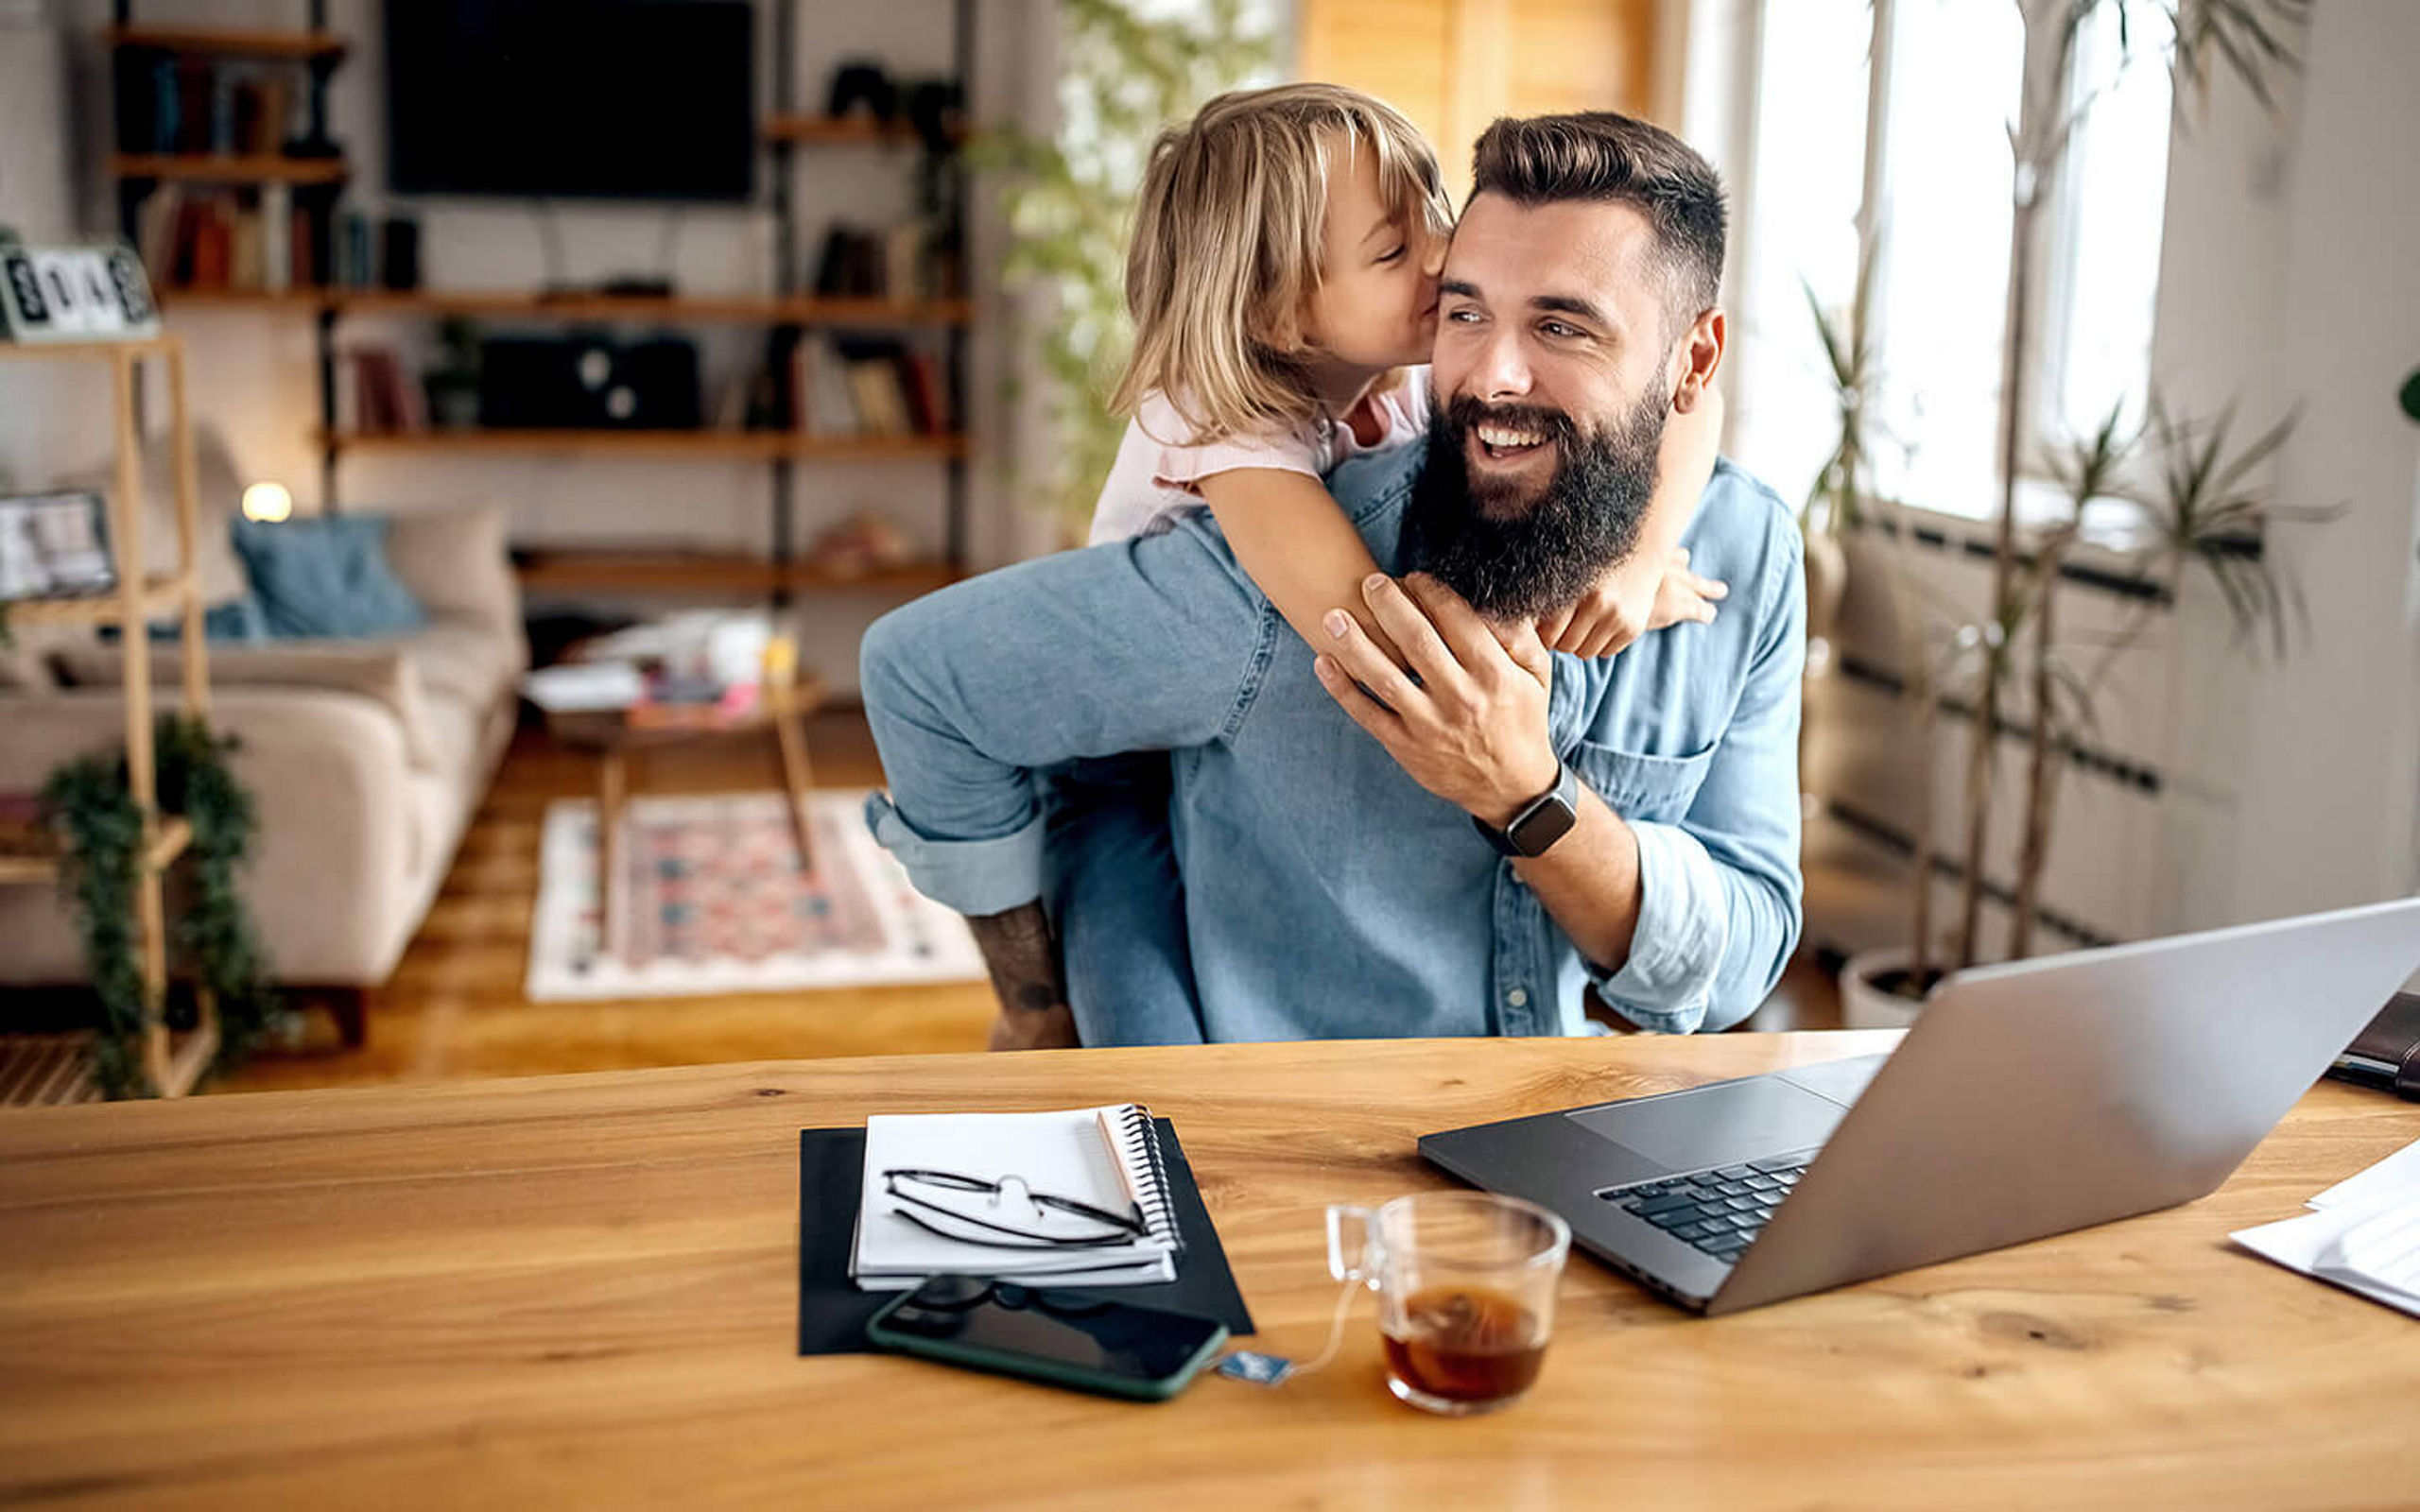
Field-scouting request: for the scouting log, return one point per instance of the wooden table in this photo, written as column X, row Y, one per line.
column 613, row 734
column 579, row 1291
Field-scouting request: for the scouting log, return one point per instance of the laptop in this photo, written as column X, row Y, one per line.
column 2030, row 1099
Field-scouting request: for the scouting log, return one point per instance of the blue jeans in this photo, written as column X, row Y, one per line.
column 1112, row 888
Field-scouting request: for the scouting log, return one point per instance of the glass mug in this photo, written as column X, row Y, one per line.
column 1465, row 1284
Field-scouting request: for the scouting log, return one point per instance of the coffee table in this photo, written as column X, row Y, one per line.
column 612, row 734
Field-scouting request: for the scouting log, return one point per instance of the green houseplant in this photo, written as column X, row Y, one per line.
column 1069, row 198
column 89, row 802
column 2198, row 514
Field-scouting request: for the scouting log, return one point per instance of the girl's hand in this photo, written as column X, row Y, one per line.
column 1629, row 601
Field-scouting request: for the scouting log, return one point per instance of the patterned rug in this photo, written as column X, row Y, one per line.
column 714, row 902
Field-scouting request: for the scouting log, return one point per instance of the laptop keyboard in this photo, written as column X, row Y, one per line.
column 1719, row 1212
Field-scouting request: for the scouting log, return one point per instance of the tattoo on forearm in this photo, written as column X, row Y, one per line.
column 1023, row 956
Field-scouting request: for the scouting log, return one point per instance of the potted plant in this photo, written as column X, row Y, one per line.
column 2199, row 512
column 87, row 802
column 453, row 385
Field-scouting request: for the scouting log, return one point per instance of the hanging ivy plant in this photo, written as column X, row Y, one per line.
column 88, row 800
column 1131, row 67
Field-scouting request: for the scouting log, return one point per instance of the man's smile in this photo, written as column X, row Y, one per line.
column 1505, row 443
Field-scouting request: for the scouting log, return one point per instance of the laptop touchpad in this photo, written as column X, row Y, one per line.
column 1720, row 1125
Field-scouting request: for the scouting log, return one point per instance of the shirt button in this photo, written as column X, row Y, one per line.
column 1517, row 998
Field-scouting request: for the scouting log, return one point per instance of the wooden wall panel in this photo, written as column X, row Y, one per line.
column 1394, row 49
column 1454, row 65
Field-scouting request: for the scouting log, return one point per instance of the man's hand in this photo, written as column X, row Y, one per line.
column 1631, row 598
column 1474, row 728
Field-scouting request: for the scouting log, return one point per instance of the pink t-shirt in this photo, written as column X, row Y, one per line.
column 1157, row 476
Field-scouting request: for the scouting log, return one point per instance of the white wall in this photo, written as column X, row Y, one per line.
column 2330, row 770
column 37, row 201
column 255, row 373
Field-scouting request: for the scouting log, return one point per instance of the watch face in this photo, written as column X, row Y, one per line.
column 1542, row 824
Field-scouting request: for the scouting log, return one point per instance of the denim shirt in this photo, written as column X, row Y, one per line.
column 1326, row 894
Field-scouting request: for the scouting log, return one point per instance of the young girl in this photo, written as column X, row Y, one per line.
column 1283, row 284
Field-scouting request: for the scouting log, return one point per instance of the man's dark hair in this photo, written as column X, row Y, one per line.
column 1600, row 155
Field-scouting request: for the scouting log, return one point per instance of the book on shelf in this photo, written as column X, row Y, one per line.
column 874, row 384
column 374, row 396
column 353, row 265
column 256, row 239
column 843, row 386
column 897, row 264
column 276, row 230
column 192, row 107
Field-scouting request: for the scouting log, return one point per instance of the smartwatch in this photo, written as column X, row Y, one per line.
column 1541, row 822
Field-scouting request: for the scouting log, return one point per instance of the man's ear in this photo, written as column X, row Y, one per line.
column 1698, row 355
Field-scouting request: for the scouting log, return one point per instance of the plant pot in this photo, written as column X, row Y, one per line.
column 1865, row 1006
column 453, row 400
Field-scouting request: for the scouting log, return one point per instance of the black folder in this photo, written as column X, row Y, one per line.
column 831, row 1312
column 2387, row 1054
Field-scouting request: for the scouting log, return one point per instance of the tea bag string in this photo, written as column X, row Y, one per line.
column 1335, row 1329
column 1260, row 1369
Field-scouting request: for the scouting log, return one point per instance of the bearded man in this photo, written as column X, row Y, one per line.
column 1466, row 848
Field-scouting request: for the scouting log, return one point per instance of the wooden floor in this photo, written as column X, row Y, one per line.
column 454, row 1007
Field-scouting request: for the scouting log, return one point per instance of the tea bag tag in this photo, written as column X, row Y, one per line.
column 1275, row 1369
column 1257, row 1368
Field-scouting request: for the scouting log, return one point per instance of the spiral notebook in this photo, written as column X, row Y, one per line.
column 956, row 1194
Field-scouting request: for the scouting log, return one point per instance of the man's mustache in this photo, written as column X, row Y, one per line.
column 1465, row 413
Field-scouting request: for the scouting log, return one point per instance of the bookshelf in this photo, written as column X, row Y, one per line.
column 39, row 1068
column 209, row 168
column 799, row 310
column 155, row 596
column 787, row 313
column 845, row 131
column 757, row 446
column 312, row 46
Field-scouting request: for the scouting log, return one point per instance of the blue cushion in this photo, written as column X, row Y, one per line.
column 326, row 575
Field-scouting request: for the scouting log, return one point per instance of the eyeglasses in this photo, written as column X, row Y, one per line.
column 1029, row 1212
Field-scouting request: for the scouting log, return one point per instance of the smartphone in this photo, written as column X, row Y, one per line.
column 1078, row 1339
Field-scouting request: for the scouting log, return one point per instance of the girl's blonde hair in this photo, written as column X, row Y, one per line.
column 1226, row 247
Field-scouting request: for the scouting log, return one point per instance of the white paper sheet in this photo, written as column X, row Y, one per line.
column 2398, row 1173
column 2363, row 1233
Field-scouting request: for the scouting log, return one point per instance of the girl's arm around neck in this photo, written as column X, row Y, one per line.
column 1298, row 545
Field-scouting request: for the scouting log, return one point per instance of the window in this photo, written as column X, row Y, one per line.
column 2105, row 228
column 1806, row 176
column 1942, row 212
column 1935, row 188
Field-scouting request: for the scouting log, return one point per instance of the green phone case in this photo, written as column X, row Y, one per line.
column 1051, row 1372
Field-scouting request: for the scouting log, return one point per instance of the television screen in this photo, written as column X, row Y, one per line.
column 623, row 99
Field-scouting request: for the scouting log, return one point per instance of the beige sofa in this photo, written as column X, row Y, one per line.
column 367, row 759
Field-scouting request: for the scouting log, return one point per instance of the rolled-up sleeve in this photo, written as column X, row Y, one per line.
column 976, row 877
column 1720, row 892
column 1681, row 938
column 1145, row 645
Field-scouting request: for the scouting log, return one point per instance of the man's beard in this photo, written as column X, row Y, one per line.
column 1516, row 562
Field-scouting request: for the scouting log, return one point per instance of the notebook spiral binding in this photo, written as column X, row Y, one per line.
column 1141, row 1139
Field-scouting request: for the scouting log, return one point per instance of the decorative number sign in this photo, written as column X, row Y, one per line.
column 95, row 293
